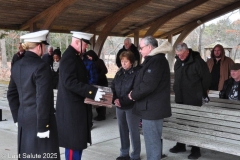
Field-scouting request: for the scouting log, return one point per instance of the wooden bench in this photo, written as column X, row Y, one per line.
column 215, row 125
column 3, row 100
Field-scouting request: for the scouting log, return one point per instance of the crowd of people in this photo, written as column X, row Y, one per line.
column 141, row 93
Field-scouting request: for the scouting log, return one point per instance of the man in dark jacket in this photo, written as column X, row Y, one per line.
column 48, row 57
column 151, row 92
column 231, row 88
column 30, row 97
column 72, row 113
column 192, row 80
column 131, row 47
column 18, row 55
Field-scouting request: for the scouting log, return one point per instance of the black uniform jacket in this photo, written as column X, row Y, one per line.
column 152, row 87
column 30, row 97
column 191, row 79
column 73, row 115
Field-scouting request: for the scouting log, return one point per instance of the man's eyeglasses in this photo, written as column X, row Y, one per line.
column 141, row 48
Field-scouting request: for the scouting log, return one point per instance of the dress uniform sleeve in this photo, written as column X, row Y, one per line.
column 44, row 96
column 13, row 99
column 70, row 80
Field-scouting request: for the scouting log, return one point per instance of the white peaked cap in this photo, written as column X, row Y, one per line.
column 83, row 36
column 38, row 37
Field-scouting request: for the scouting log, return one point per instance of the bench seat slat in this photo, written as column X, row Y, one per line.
column 207, row 115
column 184, row 133
column 215, row 127
column 207, row 120
column 202, row 142
column 224, row 105
column 196, row 130
column 208, row 109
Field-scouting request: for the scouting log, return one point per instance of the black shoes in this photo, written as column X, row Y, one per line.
column 123, row 158
column 177, row 149
column 99, row 118
column 194, row 155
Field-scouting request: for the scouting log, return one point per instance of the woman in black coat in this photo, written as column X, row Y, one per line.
column 30, row 97
column 102, row 80
column 121, row 85
column 55, row 67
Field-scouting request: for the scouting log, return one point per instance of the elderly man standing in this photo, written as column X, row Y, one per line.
column 72, row 114
column 219, row 65
column 48, row 57
column 191, row 82
column 152, row 93
column 128, row 46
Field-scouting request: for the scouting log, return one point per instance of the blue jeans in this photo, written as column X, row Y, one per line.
column 152, row 132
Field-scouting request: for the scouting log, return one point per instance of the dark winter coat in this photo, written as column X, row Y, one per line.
column 101, row 68
column 122, row 84
column 30, row 97
column 225, row 65
column 191, row 79
column 133, row 49
column 72, row 113
column 48, row 59
column 223, row 94
column 152, row 86
column 16, row 57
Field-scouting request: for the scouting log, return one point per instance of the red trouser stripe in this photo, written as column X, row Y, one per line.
column 71, row 154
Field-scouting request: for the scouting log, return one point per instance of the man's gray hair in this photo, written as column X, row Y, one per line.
column 129, row 40
column 150, row 40
column 181, row 46
column 50, row 47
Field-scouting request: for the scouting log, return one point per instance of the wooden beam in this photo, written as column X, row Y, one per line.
column 53, row 13
column 167, row 17
column 136, row 38
column 114, row 20
column 33, row 27
column 43, row 14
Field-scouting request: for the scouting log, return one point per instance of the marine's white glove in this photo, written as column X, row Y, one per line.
column 16, row 124
column 43, row 134
column 99, row 95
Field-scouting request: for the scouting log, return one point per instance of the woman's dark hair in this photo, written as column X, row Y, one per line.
column 92, row 54
column 57, row 52
column 129, row 55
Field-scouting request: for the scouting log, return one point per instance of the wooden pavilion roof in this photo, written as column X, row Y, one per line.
column 160, row 18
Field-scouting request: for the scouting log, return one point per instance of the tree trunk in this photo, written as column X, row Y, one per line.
column 200, row 39
column 4, row 57
column 66, row 42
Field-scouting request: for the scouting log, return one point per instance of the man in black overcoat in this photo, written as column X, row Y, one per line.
column 191, row 82
column 73, row 115
column 48, row 57
column 151, row 93
column 30, row 97
column 128, row 46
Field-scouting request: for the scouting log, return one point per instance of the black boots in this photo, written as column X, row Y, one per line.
column 179, row 147
column 195, row 153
